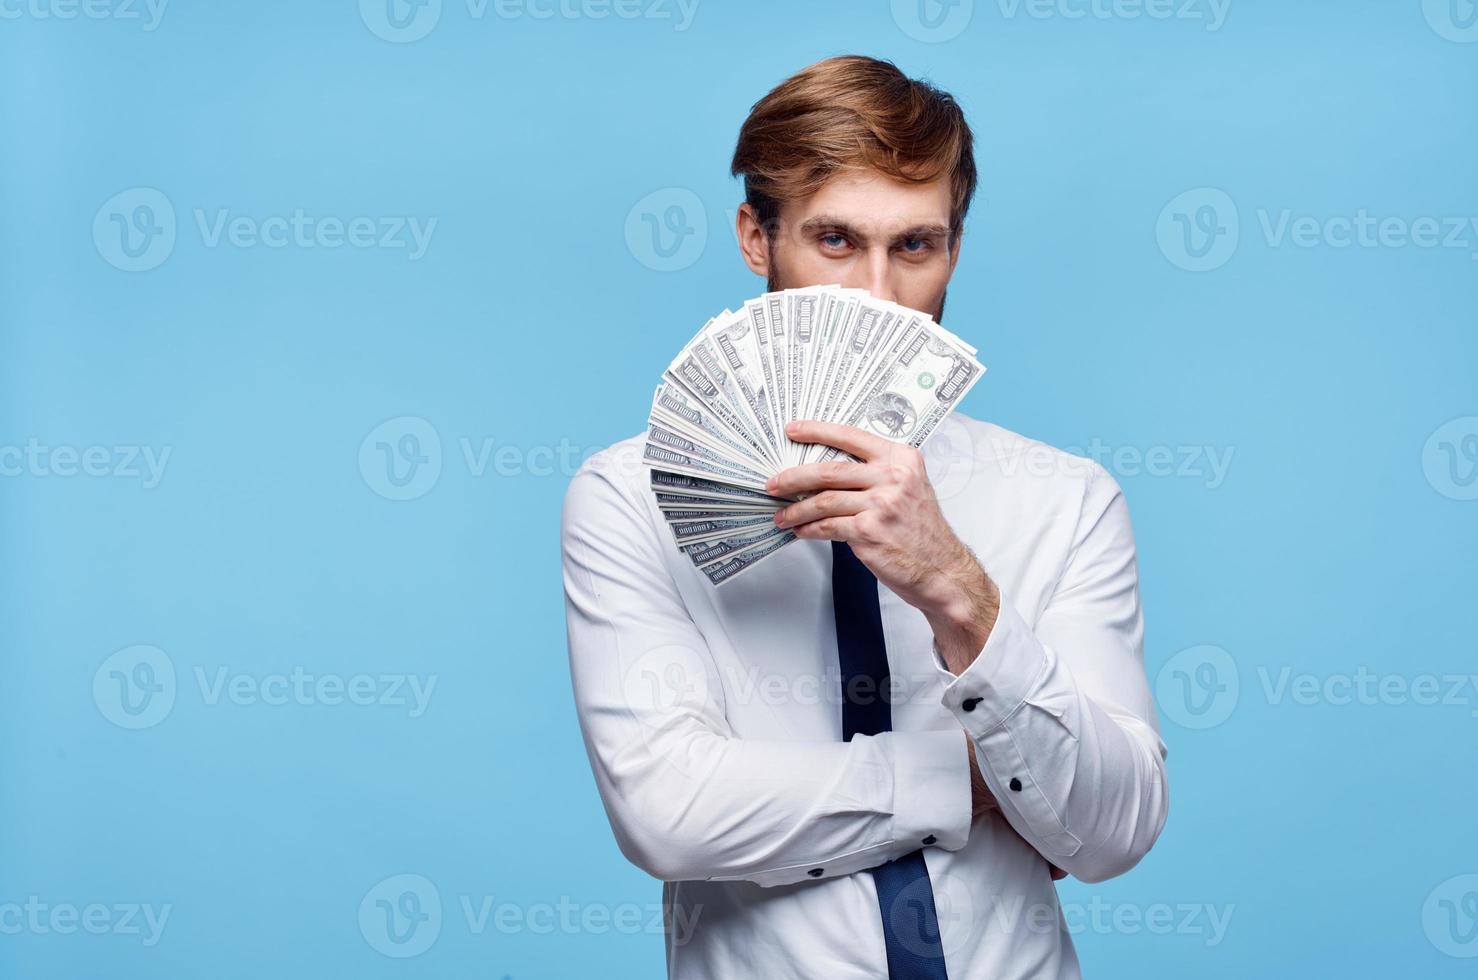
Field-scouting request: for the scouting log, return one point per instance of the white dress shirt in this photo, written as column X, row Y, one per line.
column 712, row 717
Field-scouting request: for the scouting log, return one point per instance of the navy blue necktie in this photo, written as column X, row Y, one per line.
column 905, row 895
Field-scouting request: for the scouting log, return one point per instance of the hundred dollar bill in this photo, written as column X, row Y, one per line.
column 872, row 325
column 702, row 553
column 714, row 528
column 678, row 462
column 662, row 436
column 725, row 569
column 800, row 318
column 909, row 402
column 762, row 340
column 700, row 374
column 683, row 413
column 730, row 344
column 697, row 485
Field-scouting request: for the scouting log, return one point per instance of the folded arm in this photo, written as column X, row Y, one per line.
column 1061, row 714
column 686, row 797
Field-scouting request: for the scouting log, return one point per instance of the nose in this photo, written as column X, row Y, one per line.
column 874, row 273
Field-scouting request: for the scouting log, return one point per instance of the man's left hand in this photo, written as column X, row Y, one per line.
column 884, row 507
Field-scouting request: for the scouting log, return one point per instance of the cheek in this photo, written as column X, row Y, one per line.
column 923, row 288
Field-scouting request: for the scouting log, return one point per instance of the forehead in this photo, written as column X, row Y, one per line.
column 873, row 198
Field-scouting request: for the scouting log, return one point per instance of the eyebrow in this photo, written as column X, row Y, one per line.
column 830, row 223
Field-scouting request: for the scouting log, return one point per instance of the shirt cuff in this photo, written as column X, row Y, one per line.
column 931, row 789
column 1007, row 669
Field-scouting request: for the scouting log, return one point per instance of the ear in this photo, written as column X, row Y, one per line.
column 754, row 244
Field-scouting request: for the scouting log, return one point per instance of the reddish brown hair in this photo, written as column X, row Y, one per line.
column 852, row 113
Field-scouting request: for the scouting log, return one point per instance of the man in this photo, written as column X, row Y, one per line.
column 867, row 757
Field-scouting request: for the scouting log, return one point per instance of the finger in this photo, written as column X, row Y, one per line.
column 835, row 475
column 832, row 503
column 827, row 529
column 864, row 445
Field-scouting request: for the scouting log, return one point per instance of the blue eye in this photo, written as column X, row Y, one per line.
column 914, row 245
column 833, row 240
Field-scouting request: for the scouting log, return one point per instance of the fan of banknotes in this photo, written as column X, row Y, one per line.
column 717, row 428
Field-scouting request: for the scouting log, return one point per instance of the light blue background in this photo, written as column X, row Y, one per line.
column 1338, row 540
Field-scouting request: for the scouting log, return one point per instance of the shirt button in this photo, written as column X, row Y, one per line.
column 1015, row 785
column 969, row 703
column 930, row 840
column 815, row 872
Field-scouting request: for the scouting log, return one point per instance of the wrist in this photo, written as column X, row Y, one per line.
column 963, row 615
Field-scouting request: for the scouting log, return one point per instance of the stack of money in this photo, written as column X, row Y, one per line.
column 717, row 428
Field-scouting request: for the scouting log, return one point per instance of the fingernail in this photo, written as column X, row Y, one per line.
column 770, row 485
